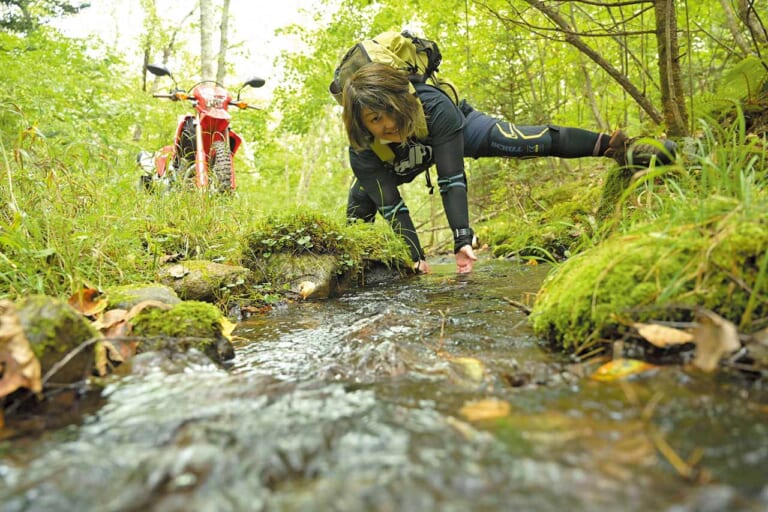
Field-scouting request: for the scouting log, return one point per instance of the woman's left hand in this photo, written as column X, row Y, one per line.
column 464, row 259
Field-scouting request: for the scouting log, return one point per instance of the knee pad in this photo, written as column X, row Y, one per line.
column 457, row 180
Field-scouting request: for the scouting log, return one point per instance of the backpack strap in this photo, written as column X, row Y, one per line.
column 383, row 151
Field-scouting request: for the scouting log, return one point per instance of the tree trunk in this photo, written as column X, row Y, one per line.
column 735, row 28
column 206, row 40
column 748, row 16
column 221, row 70
column 672, row 97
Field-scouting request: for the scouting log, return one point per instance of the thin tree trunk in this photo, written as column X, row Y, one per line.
column 672, row 96
column 221, row 70
column 734, row 28
column 206, row 40
column 589, row 91
column 748, row 16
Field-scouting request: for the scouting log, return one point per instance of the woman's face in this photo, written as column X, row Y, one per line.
column 381, row 125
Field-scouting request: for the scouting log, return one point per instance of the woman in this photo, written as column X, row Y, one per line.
column 398, row 129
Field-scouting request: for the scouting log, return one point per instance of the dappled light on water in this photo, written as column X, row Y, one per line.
column 428, row 394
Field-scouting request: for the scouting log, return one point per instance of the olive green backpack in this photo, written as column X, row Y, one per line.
column 420, row 58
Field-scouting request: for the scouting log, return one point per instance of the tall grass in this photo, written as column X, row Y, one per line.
column 74, row 215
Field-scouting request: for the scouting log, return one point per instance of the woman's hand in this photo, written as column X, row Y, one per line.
column 464, row 259
column 421, row 267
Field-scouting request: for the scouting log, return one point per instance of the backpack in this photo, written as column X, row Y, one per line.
column 417, row 56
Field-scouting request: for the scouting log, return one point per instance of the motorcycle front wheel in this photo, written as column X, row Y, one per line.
column 220, row 167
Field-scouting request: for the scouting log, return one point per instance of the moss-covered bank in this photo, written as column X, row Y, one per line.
column 713, row 258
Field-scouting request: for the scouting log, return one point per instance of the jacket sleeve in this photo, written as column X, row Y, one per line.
column 452, row 183
column 381, row 186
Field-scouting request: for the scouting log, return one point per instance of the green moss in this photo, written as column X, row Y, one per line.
column 195, row 323
column 126, row 296
column 657, row 273
column 316, row 234
column 52, row 326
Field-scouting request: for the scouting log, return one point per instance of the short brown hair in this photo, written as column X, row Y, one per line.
column 380, row 88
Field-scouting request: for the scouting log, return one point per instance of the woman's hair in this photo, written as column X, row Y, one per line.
column 381, row 88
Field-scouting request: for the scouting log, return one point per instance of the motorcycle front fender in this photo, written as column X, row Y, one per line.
column 234, row 142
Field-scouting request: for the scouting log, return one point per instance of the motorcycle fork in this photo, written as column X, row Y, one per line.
column 201, row 157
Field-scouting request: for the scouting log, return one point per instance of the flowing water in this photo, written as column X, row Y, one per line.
column 430, row 394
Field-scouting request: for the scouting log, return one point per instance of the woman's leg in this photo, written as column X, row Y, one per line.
column 485, row 136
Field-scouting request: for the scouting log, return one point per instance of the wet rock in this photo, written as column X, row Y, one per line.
column 54, row 329
column 203, row 280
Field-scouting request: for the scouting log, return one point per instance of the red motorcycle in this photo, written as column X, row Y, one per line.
column 203, row 151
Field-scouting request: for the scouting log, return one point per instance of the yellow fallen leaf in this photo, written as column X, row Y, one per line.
column 662, row 336
column 306, row 288
column 472, row 368
column 487, row 409
column 227, row 327
column 620, row 368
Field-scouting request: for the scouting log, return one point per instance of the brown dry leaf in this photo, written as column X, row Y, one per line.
column 487, row 409
column 20, row 366
column 621, row 368
column 715, row 337
column 109, row 319
column 138, row 308
column 104, row 352
column 88, row 301
column 662, row 336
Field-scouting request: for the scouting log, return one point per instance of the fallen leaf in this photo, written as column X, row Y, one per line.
column 88, row 301
column 178, row 271
column 472, row 368
column 306, row 288
column 620, row 368
column 662, row 336
column 715, row 337
column 138, row 308
column 109, row 319
column 486, row 409
column 227, row 327
column 20, row 367
column 105, row 353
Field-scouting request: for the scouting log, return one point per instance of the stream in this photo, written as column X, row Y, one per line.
column 429, row 394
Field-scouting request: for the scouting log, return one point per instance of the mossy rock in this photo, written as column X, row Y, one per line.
column 125, row 297
column 662, row 272
column 189, row 324
column 204, row 280
column 53, row 329
column 291, row 271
